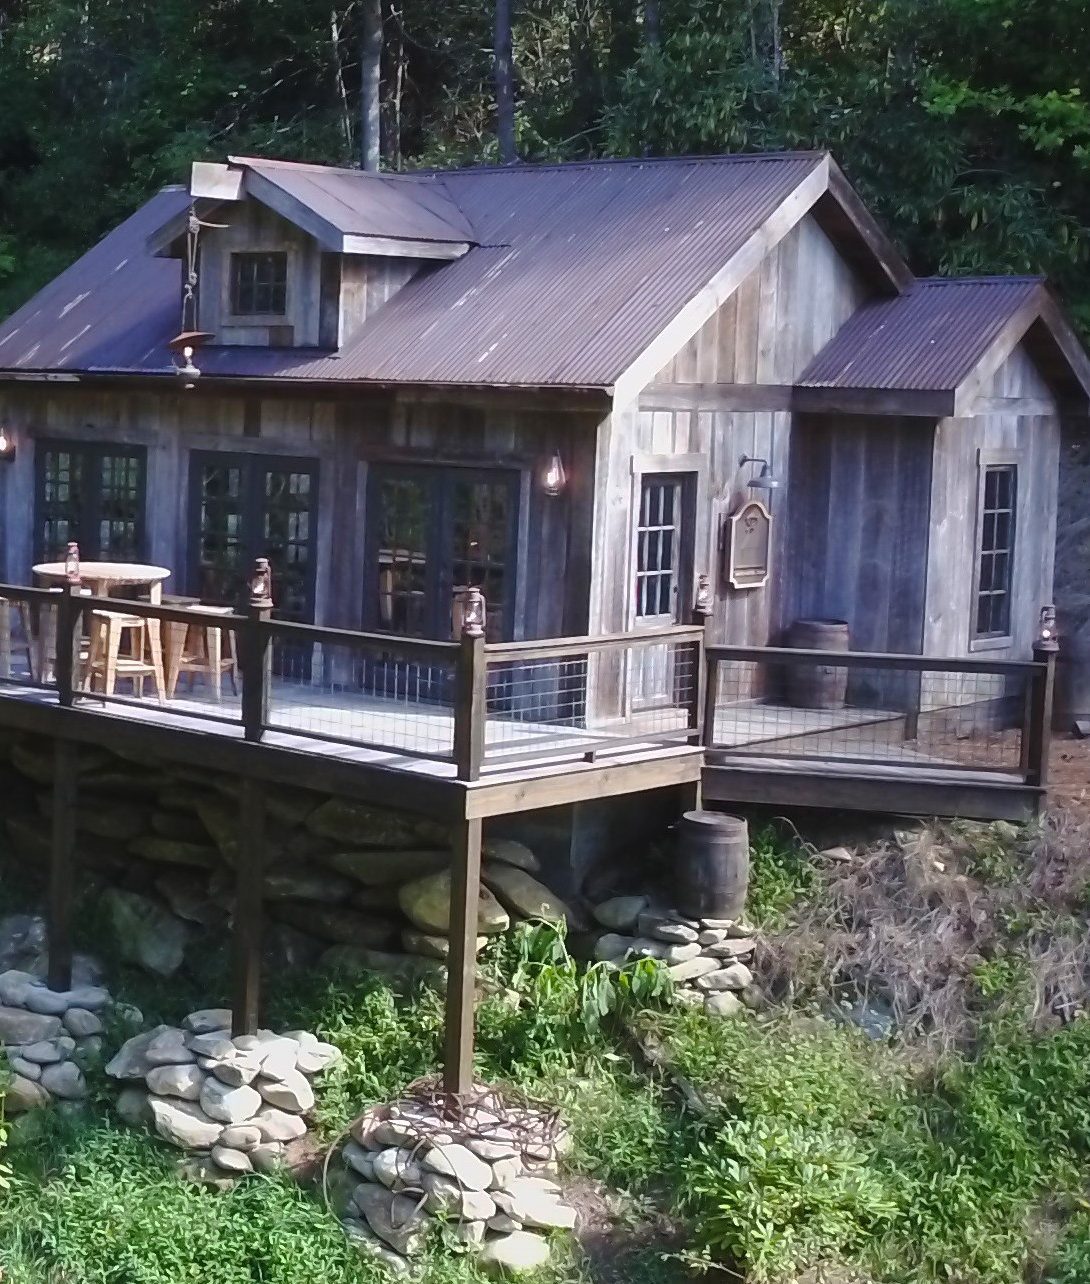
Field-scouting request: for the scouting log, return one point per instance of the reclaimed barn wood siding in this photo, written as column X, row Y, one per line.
column 765, row 333
column 1032, row 442
column 344, row 437
column 857, row 549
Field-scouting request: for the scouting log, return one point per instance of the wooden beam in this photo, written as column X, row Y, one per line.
column 1011, row 333
column 847, row 221
column 246, row 933
column 462, row 963
column 754, row 397
column 718, row 396
column 62, row 860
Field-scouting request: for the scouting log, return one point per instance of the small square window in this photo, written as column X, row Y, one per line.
column 259, row 284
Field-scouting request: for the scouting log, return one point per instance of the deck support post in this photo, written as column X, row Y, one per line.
column 62, row 863
column 470, row 704
column 462, row 963
column 246, row 937
column 1038, row 733
column 256, row 653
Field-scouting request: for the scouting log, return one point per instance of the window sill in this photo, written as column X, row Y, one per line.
column 991, row 644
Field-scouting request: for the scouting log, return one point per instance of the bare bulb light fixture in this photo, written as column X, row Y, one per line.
column 7, row 446
column 553, row 476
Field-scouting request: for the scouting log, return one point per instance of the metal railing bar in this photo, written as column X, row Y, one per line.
column 871, row 660
column 437, row 755
column 412, row 648
column 557, row 648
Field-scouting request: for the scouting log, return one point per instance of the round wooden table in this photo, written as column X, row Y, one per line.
column 101, row 578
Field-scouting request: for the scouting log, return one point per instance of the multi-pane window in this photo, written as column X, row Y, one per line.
column 92, row 494
column 259, row 284
column 996, row 542
column 658, row 547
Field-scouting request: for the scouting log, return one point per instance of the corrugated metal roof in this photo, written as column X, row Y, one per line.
column 575, row 270
column 413, row 207
column 928, row 339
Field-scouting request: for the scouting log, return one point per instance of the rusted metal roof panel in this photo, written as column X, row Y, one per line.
column 412, row 207
column 928, row 339
column 575, row 270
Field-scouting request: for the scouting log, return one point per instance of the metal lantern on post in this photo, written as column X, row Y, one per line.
column 1047, row 637
column 261, row 584
column 474, row 613
column 703, row 600
column 71, row 564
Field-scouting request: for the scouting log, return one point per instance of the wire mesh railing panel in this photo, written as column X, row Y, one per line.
column 628, row 693
column 28, row 639
column 868, row 713
column 358, row 693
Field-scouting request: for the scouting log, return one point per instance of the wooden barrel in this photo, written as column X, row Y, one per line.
column 711, row 865
column 817, row 686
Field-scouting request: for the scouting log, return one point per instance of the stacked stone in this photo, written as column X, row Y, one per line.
column 345, row 884
column 49, row 1038
column 235, row 1103
column 489, row 1177
column 707, row 959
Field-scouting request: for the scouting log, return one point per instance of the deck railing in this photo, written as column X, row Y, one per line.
column 470, row 703
column 877, row 709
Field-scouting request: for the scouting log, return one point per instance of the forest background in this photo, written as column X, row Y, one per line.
column 965, row 124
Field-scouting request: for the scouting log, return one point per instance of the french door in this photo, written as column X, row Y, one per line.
column 430, row 532
column 248, row 506
column 663, row 573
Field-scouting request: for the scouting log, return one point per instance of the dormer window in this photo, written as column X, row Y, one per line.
column 259, row 284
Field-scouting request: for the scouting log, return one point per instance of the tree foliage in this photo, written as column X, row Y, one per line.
column 965, row 123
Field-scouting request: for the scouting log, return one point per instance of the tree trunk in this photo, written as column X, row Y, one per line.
column 340, row 91
column 370, row 80
column 504, row 69
column 651, row 25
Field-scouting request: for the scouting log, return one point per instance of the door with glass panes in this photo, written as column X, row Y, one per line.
column 430, row 532
column 248, row 506
column 663, row 573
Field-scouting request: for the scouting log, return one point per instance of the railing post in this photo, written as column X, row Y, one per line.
column 703, row 678
column 67, row 643
column 471, row 691
column 1039, row 722
column 257, row 653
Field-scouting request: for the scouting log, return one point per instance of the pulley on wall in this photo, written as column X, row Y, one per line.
column 189, row 340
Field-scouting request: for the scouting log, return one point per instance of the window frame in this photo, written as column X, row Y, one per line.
column 234, row 263
column 988, row 462
column 92, row 453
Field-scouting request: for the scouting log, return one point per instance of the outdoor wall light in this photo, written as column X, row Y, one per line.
column 764, row 479
column 553, row 476
column 7, row 446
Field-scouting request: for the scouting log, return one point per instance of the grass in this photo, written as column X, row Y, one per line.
column 910, row 1160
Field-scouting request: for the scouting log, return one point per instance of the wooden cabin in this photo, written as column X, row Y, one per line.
column 588, row 389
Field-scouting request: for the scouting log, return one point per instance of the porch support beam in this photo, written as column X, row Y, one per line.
column 246, row 937
column 462, row 964
column 62, row 861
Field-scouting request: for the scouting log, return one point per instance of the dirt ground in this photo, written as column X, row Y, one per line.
column 1069, row 775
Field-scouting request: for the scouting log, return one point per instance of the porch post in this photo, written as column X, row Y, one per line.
column 1038, row 733
column 256, row 652
column 62, row 863
column 471, row 690
column 462, row 963
column 246, row 936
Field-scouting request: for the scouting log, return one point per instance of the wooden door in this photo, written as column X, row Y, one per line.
column 663, row 571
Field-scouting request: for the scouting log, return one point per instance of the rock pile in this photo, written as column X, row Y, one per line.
column 707, row 959
column 346, row 884
column 487, row 1174
column 234, row 1102
column 49, row 1039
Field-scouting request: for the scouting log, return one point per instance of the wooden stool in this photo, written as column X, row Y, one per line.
column 39, row 622
column 206, row 650
column 142, row 658
column 8, row 615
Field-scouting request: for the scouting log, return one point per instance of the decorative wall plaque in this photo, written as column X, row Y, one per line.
column 749, row 540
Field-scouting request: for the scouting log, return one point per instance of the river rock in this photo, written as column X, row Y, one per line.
column 146, row 933
column 661, row 928
column 341, row 926
column 169, row 1048
column 131, row 1061
column 364, row 1239
column 216, row 1045
column 173, row 851
column 725, row 1003
column 277, row 1125
column 81, row 1023
column 510, row 852
column 646, row 948
column 187, row 896
column 133, row 1107
column 523, row 895
column 394, row 1218
column 28, row 1069
column 184, row 1123
column 14, row 986
column 241, row 1136
column 735, row 977
column 537, row 1204
column 445, row 1197
column 45, row 1052
column 395, row 1168
column 292, row 1092
column 306, row 885
column 21, row 1094
column 426, row 903
column 267, row 1157
column 231, row 1160
column 313, row 1056
column 208, row 1020
column 203, row 1171
column 731, row 949
column 691, row 969
column 357, row 825
column 516, row 1254
column 433, row 947
column 184, row 1082
column 620, row 913
column 236, row 1071
column 228, row 1105
column 360, row 1160
column 18, row 1027
column 613, row 948
column 65, row 1079
column 383, row 868
column 459, row 1162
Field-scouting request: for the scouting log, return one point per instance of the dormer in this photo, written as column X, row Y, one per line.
column 299, row 256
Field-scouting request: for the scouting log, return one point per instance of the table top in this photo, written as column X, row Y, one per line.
column 107, row 573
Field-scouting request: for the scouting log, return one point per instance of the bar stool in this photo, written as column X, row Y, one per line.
column 141, row 657
column 39, row 625
column 208, row 651
column 9, row 613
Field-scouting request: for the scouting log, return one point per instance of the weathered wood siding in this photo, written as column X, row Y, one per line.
column 1032, row 442
column 857, row 547
column 766, row 332
column 344, row 437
